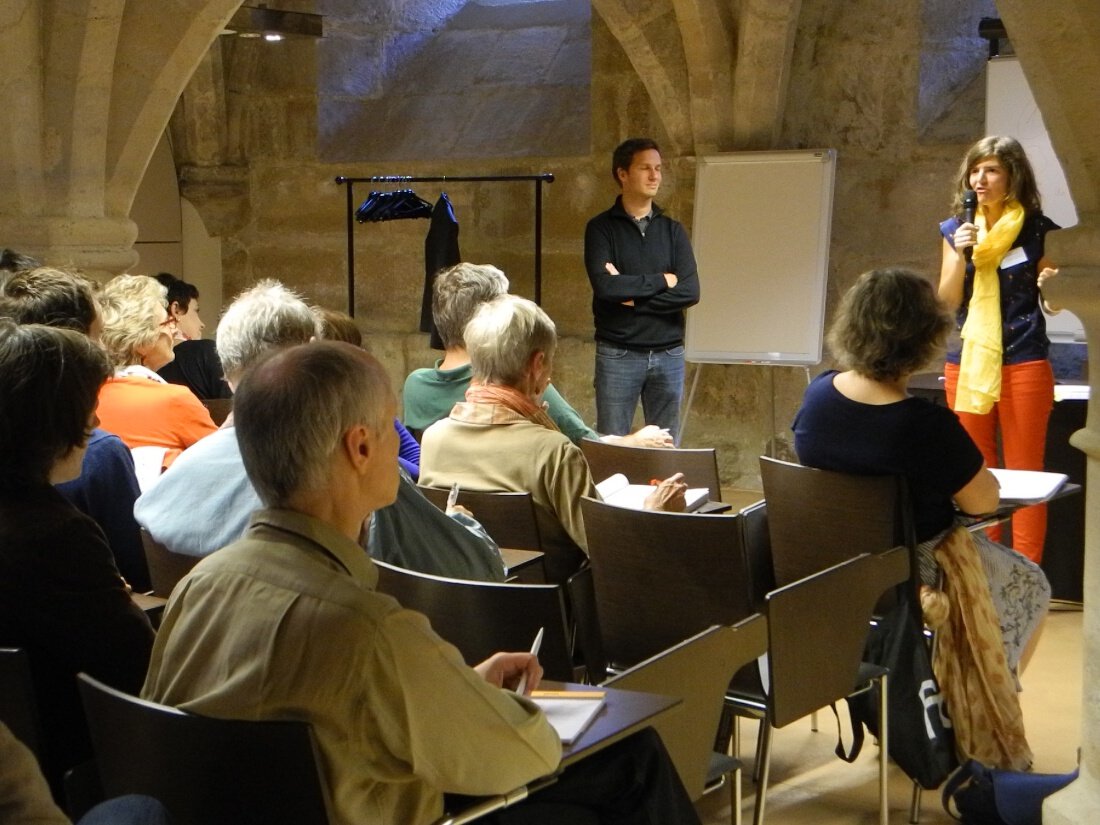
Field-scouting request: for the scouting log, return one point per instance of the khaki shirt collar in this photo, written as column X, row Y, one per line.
column 345, row 552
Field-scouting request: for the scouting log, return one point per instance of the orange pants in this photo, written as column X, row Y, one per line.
column 1027, row 397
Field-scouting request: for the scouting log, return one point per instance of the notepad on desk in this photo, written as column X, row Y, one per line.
column 1027, row 486
column 569, row 712
column 620, row 492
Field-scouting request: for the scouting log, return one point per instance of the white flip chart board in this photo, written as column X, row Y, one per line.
column 761, row 239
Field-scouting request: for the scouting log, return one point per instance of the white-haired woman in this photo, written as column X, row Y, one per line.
column 502, row 439
column 135, row 403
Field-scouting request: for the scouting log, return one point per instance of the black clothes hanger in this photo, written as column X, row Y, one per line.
column 401, row 204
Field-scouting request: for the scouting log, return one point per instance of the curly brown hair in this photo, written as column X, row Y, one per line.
column 889, row 324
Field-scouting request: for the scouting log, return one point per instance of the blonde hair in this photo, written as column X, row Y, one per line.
column 129, row 306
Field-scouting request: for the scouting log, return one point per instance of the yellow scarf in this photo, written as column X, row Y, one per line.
column 979, row 385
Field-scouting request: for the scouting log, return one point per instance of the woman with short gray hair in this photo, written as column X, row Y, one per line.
column 501, row 439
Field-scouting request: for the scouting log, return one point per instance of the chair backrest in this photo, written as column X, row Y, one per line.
column 508, row 517
column 697, row 670
column 641, row 464
column 817, row 629
column 165, row 567
column 219, row 408
column 18, row 704
column 661, row 577
column 758, row 552
column 482, row 618
column 205, row 771
column 817, row 518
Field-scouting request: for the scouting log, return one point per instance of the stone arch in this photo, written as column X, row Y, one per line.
column 732, row 89
column 93, row 89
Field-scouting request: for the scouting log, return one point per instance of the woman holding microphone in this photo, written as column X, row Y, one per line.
column 993, row 270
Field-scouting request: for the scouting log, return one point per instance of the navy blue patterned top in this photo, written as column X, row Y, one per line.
column 1024, row 328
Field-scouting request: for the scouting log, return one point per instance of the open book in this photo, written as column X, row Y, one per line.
column 569, row 715
column 1027, row 486
column 618, row 491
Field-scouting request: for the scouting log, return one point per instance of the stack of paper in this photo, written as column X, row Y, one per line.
column 618, row 491
column 570, row 712
column 1027, row 486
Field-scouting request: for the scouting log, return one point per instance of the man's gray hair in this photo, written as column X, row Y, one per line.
column 264, row 316
column 504, row 334
column 293, row 408
column 458, row 292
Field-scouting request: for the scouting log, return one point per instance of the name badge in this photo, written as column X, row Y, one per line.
column 1015, row 257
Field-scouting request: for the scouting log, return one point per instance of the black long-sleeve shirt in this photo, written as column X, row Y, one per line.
column 656, row 320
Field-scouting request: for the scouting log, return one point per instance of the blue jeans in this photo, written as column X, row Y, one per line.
column 623, row 375
column 134, row 809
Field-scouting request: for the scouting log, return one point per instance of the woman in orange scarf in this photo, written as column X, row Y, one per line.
column 999, row 376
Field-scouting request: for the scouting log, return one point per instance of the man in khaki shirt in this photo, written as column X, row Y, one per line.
column 286, row 624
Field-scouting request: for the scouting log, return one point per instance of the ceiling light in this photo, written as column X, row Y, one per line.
column 274, row 25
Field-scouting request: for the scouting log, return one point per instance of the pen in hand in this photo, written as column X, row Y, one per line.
column 452, row 497
column 522, row 686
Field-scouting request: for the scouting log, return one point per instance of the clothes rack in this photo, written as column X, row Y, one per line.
column 349, row 182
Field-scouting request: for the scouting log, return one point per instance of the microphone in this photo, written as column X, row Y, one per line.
column 970, row 209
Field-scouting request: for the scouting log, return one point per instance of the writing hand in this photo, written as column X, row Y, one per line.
column 669, row 495
column 649, row 436
column 506, row 669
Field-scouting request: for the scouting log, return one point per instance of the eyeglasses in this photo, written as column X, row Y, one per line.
column 170, row 321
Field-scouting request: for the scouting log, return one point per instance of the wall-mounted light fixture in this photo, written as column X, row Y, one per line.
column 273, row 25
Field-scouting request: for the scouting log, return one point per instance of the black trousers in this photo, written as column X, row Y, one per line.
column 632, row 782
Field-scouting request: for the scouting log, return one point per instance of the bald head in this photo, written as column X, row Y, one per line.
column 292, row 410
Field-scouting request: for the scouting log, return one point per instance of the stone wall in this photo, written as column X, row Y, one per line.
column 855, row 85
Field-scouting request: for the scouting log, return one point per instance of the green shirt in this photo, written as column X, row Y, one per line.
column 431, row 393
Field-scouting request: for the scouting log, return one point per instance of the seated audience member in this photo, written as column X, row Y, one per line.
column 501, row 439
column 136, row 404
column 862, row 420
column 204, row 500
column 431, row 393
column 61, row 596
column 260, row 629
column 195, row 365
column 12, row 261
column 25, row 797
column 339, row 326
column 106, row 487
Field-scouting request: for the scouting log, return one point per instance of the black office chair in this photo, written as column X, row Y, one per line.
column 508, row 517
column 18, row 705
column 165, row 567
column 817, row 518
column 482, row 618
column 662, row 577
column 698, row 671
column 205, row 771
column 817, row 630
column 642, row 464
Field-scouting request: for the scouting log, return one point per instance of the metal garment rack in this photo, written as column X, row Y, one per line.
column 349, row 183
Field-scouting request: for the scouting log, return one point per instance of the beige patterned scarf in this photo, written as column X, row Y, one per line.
column 970, row 664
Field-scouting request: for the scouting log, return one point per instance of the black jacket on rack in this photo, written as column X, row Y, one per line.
column 440, row 252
